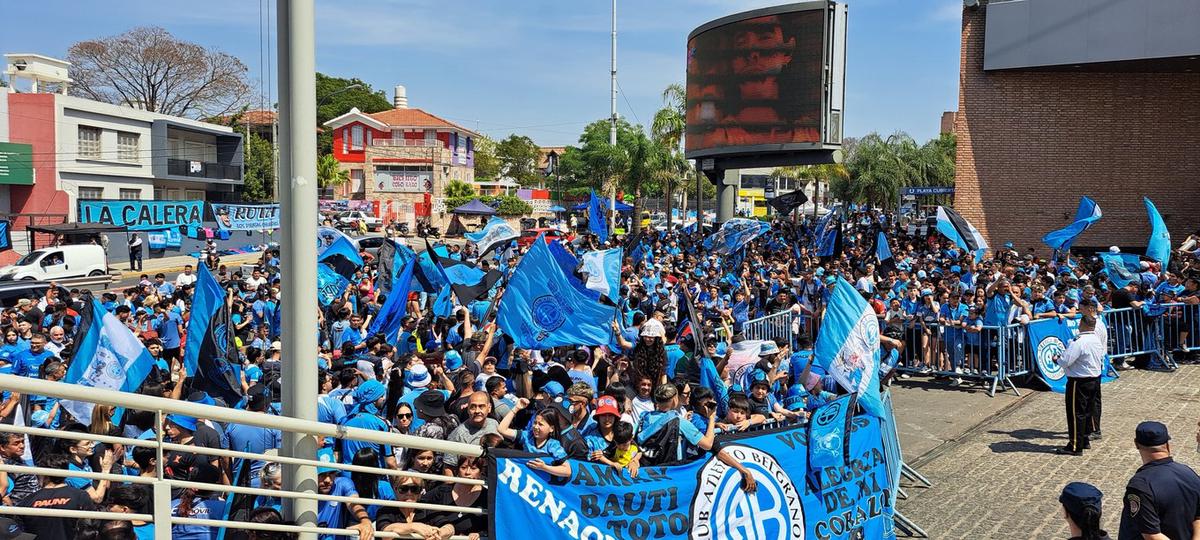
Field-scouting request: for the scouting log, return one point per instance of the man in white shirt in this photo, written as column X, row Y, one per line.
column 1082, row 362
column 186, row 278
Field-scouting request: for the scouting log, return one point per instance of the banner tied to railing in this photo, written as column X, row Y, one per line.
column 704, row 500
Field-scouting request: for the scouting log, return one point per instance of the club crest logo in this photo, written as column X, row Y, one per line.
column 547, row 315
column 1047, row 349
column 722, row 510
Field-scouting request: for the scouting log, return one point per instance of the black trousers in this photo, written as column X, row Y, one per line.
column 1083, row 400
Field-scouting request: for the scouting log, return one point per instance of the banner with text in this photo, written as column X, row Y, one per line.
column 1049, row 338
column 246, row 217
column 704, row 500
column 142, row 215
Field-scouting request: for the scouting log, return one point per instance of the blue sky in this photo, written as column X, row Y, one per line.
column 534, row 67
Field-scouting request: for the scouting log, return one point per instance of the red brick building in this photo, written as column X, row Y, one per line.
column 1038, row 128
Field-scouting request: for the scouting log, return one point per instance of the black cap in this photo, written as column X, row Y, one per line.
column 1151, row 433
column 10, row 529
column 1079, row 496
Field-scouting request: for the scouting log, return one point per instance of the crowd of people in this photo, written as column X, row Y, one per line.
column 671, row 380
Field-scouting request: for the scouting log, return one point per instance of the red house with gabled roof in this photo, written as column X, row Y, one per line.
column 402, row 157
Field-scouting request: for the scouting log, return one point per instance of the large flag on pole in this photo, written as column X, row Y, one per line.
column 735, row 234
column 496, row 233
column 603, row 270
column 207, row 352
column 541, row 309
column 1087, row 214
column 961, row 232
column 597, row 220
column 848, row 345
column 1158, row 247
column 108, row 356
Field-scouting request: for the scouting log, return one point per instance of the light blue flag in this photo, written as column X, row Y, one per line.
column 1087, row 214
column 1158, row 247
column 392, row 313
column 206, row 301
column 597, row 219
column 108, row 356
column 1121, row 268
column 495, row 234
column 603, row 269
column 735, row 234
column 848, row 345
column 331, row 285
column 541, row 309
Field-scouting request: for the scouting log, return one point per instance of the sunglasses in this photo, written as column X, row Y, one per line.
column 410, row 489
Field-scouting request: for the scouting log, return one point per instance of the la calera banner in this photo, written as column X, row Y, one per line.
column 703, row 500
column 142, row 215
column 246, row 217
column 1048, row 339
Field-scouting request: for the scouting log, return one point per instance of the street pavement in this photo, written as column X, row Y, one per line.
column 1001, row 478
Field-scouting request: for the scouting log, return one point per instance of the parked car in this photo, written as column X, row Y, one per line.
column 529, row 235
column 57, row 263
column 13, row 291
column 351, row 218
column 370, row 243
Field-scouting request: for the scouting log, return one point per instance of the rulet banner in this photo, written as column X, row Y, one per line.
column 703, row 500
column 246, row 217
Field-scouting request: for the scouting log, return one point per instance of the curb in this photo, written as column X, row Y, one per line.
column 947, row 445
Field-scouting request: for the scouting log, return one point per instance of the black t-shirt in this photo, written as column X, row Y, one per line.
column 60, row 498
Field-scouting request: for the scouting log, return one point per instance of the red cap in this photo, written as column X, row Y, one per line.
column 607, row 405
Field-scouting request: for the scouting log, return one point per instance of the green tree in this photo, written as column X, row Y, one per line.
column 330, row 172
column 518, row 157
column 487, row 164
column 333, row 102
column 458, row 188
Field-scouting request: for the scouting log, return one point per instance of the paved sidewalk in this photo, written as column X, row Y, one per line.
column 1002, row 478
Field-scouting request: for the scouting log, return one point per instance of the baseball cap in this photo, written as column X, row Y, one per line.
column 1151, row 433
column 417, row 376
column 1079, row 496
column 325, row 455
column 606, row 405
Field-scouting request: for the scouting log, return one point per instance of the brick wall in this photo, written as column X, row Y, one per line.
column 1031, row 143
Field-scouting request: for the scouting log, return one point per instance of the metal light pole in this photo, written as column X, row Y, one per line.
column 298, row 221
column 612, row 130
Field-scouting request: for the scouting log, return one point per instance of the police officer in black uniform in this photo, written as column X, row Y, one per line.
column 1162, row 500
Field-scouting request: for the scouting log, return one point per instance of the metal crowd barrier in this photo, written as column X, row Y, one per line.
column 161, row 515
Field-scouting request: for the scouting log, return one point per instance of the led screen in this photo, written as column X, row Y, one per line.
column 755, row 82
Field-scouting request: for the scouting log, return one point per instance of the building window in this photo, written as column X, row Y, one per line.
column 131, row 194
column 86, row 192
column 356, row 137
column 127, row 146
column 89, row 142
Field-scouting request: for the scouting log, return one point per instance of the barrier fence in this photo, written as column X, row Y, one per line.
column 993, row 355
column 162, row 486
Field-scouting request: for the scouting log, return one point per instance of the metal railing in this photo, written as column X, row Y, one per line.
column 161, row 485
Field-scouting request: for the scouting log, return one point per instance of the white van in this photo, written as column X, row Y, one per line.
column 58, row 262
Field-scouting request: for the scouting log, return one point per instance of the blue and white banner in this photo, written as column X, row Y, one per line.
column 735, row 234
column 1049, row 338
column 1158, row 246
column 848, row 345
column 496, row 233
column 246, row 217
column 703, row 500
column 142, row 215
column 603, row 270
column 109, row 357
column 330, row 285
column 1087, row 214
column 541, row 308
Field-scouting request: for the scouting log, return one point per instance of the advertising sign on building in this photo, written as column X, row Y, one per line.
column 404, row 181
column 16, row 164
